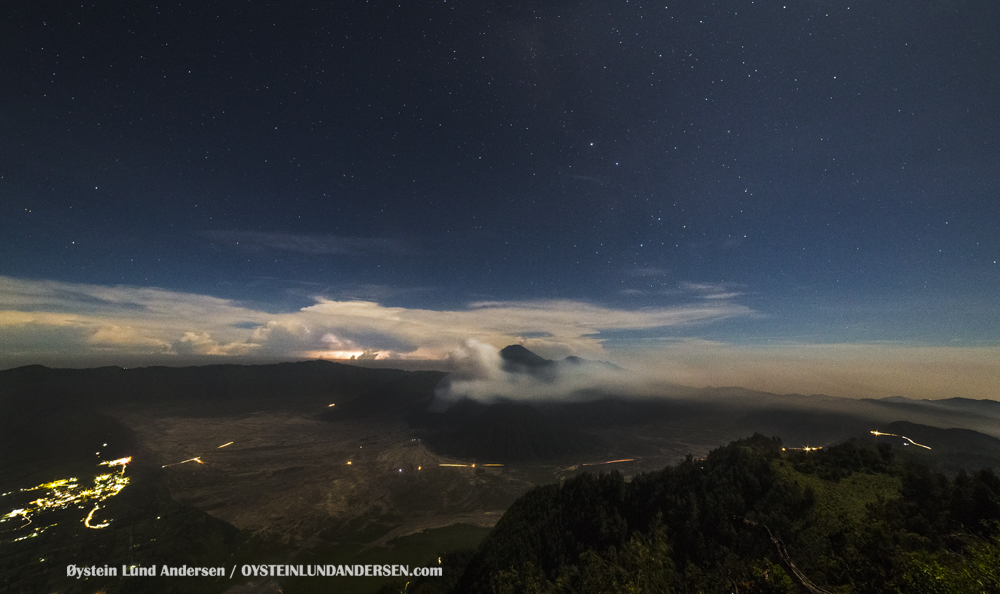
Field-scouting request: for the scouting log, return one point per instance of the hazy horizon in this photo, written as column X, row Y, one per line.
column 92, row 326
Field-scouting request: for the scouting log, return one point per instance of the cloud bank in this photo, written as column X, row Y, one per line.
column 478, row 372
column 77, row 325
column 58, row 320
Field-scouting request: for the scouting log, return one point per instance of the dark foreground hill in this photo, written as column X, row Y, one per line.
column 749, row 518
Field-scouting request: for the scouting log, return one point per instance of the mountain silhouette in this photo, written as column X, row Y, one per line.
column 517, row 359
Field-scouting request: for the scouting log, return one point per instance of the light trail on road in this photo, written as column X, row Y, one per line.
column 877, row 433
column 195, row 459
column 123, row 462
column 608, row 462
column 86, row 521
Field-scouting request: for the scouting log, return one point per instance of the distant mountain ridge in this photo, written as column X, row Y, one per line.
column 110, row 385
column 987, row 408
column 509, row 429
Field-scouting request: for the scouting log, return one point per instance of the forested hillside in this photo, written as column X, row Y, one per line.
column 751, row 517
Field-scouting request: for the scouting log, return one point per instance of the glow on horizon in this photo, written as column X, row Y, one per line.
column 93, row 325
column 340, row 355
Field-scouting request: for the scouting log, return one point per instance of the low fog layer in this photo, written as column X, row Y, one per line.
column 479, row 372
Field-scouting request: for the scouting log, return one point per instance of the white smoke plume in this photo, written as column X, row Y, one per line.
column 478, row 373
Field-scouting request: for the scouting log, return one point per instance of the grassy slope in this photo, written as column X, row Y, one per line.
column 843, row 502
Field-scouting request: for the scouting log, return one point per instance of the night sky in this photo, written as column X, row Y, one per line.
column 797, row 196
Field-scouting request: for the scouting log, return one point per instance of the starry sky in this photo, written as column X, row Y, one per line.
column 795, row 196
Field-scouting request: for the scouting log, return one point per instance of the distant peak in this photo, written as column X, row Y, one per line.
column 517, row 354
column 518, row 358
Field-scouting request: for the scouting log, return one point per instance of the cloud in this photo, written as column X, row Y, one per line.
column 478, row 372
column 475, row 360
column 719, row 291
column 113, row 321
column 716, row 291
column 315, row 245
column 115, row 337
column 202, row 343
column 128, row 319
column 73, row 324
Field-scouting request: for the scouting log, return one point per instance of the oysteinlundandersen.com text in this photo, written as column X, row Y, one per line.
column 254, row 571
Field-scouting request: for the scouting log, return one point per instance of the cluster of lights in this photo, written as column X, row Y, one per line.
column 65, row 493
